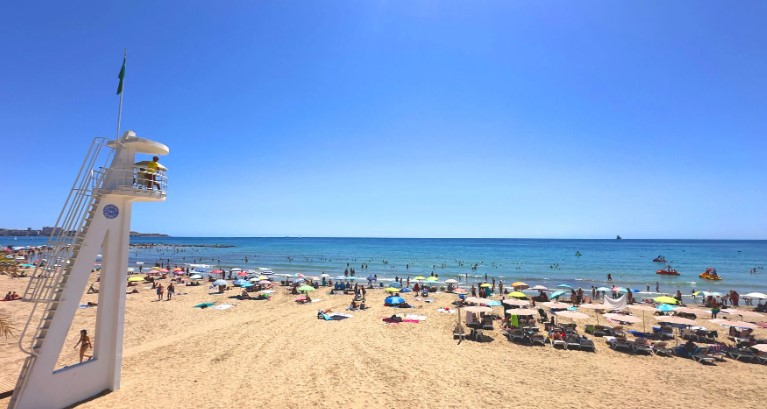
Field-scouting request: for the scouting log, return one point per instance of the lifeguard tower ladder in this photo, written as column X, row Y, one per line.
column 95, row 219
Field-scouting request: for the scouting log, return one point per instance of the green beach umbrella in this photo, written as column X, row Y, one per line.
column 306, row 288
column 665, row 300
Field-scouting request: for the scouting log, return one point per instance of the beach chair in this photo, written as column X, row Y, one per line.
column 621, row 343
column 555, row 342
column 517, row 335
column 536, row 339
column 741, row 354
column 661, row 348
column 641, row 345
column 700, row 356
column 587, row 345
column 487, row 323
column 458, row 332
column 573, row 341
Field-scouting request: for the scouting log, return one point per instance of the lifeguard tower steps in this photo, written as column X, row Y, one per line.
column 49, row 280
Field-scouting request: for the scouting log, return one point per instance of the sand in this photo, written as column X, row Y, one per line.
column 277, row 354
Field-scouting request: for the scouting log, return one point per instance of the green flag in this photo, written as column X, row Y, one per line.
column 121, row 76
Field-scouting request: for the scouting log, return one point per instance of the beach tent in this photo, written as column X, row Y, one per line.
column 393, row 300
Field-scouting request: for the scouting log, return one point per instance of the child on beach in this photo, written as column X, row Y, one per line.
column 84, row 343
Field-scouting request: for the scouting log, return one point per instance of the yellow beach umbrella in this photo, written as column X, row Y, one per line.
column 432, row 279
column 520, row 286
column 419, row 278
column 392, row 290
column 665, row 300
column 517, row 294
column 486, row 285
column 135, row 279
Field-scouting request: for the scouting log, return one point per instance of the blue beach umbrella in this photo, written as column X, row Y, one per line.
column 239, row 283
column 605, row 289
column 665, row 308
column 565, row 286
column 557, row 294
column 394, row 300
column 371, row 278
column 247, row 285
column 493, row 303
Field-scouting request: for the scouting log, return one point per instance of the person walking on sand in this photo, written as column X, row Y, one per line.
column 159, row 292
column 171, row 291
column 84, row 343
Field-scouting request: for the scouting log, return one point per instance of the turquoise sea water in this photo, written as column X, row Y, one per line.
column 535, row 261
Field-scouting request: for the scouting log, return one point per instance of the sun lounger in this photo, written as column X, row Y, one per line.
column 744, row 355
column 662, row 349
column 621, row 343
column 699, row 355
column 587, row 345
column 641, row 345
column 573, row 341
column 517, row 335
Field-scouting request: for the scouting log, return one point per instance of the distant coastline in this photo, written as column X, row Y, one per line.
column 47, row 231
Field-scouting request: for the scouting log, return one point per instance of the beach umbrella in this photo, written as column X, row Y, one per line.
column 760, row 347
column 178, row 269
column 217, row 272
column 557, row 294
column 556, row 305
column 665, row 308
column 574, row 315
column 460, row 290
column 758, row 296
column 478, row 309
column 517, row 294
column 516, row 303
column 520, row 286
column 688, row 310
column 664, row 299
column 520, row 311
column 195, row 277
column 242, row 274
column 238, row 283
column 737, row 324
column 622, row 318
column 306, row 288
column 432, row 279
column 595, row 306
column 163, row 270
column 220, row 282
column 393, row 300
column 419, row 278
column 604, row 289
column 743, row 313
column 539, row 288
column 370, row 278
column 485, row 285
column 406, row 290
column 392, row 290
column 565, row 286
column 451, row 281
column 264, row 282
column 135, row 279
column 474, row 300
column 643, row 308
column 672, row 319
column 326, row 275
column 130, row 269
column 262, row 277
column 246, row 285
column 340, row 278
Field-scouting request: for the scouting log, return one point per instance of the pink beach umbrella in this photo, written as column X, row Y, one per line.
column 242, row 274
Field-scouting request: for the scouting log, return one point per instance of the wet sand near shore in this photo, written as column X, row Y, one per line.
column 277, row 353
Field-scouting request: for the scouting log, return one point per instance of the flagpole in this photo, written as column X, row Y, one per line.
column 122, row 82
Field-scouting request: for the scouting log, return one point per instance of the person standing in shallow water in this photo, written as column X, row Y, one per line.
column 84, row 343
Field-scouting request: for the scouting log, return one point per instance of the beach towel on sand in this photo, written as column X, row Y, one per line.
column 223, row 307
column 204, row 305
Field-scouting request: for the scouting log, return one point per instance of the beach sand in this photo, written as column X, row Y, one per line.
column 277, row 353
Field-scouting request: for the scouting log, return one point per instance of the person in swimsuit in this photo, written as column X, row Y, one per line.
column 84, row 343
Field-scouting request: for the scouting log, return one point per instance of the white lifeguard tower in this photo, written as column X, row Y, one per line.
column 95, row 220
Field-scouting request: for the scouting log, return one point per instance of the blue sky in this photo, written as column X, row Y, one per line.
column 400, row 118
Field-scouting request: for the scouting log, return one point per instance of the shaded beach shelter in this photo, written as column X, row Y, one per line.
column 393, row 300
column 451, row 281
column 516, row 303
column 306, row 288
column 392, row 290
column 135, row 279
column 520, row 286
column 737, row 324
column 664, row 299
column 557, row 294
column 539, row 288
column 195, row 277
column 517, row 294
column 758, row 296
column 665, row 308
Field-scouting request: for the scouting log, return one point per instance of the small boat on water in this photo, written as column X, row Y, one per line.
column 659, row 259
column 668, row 271
column 710, row 274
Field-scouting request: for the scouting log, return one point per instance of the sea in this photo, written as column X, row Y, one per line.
column 549, row 262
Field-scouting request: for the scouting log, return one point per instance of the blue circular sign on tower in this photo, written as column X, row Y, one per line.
column 111, row 211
